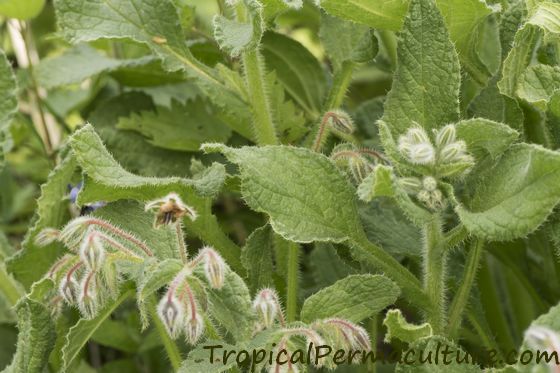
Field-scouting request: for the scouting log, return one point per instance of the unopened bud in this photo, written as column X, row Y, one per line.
column 172, row 313
column 411, row 185
column 429, row 183
column 47, row 236
column 445, row 136
column 340, row 121
column 417, row 135
column 92, row 251
column 453, row 152
column 69, row 289
column 423, row 154
column 353, row 336
column 194, row 326
column 214, row 267
column 170, row 209
column 312, row 337
column 266, row 306
column 88, row 301
column 360, row 168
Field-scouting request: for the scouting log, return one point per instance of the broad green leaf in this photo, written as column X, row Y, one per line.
column 485, row 137
column 379, row 183
column 431, row 347
column 237, row 37
column 231, row 307
column 345, row 299
column 296, row 68
column 305, row 195
column 30, row 263
column 426, row 83
column 10, row 290
column 381, row 14
column 181, row 127
column 117, row 335
column 546, row 16
column 80, row 333
column 36, row 334
column 257, row 256
column 538, row 84
column 273, row 8
column 21, row 9
column 79, row 63
column 463, row 19
column 327, row 267
column 386, row 224
column 512, row 198
column 347, row 41
column 511, row 21
column 399, row 328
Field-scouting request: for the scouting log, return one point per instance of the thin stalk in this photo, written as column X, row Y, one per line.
column 263, row 122
column 389, row 41
column 384, row 262
column 169, row 345
column 461, row 299
column 292, row 281
column 122, row 234
column 182, row 247
column 434, row 273
column 341, row 82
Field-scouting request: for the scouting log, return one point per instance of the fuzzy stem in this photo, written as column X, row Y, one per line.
column 341, row 82
column 121, row 233
column 384, row 262
column 117, row 245
column 390, row 43
column 263, row 122
column 292, row 281
column 434, row 273
column 181, row 242
column 462, row 296
column 170, row 347
column 455, row 236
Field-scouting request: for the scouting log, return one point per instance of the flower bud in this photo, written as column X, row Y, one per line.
column 411, row 185
column 354, row 336
column 170, row 209
column 312, row 337
column 47, row 236
column 340, row 121
column 417, row 135
column 92, row 252
column 194, row 326
column 266, row 306
column 423, row 154
column 360, row 168
column 453, row 152
column 214, row 267
column 445, row 136
column 88, row 301
column 69, row 289
column 172, row 313
column 429, row 183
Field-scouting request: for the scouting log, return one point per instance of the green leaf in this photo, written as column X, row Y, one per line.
column 512, row 198
column 79, row 63
column 30, row 263
column 237, row 37
column 297, row 69
column 8, row 91
column 426, row 83
column 485, row 137
column 118, row 335
column 374, row 13
column 347, row 41
column 547, row 17
column 306, row 196
column 181, row 127
column 21, row 9
column 345, row 299
column 231, row 307
column 379, row 183
column 538, row 84
column 257, row 256
column 399, row 328
column 327, row 267
column 36, row 333
column 80, row 333
column 431, row 347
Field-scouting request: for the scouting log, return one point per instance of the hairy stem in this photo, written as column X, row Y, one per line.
column 384, row 262
column 182, row 247
column 263, row 122
column 434, row 273
column 292, row 281
column 462, row 296
column 170, row 347
column 341, row 82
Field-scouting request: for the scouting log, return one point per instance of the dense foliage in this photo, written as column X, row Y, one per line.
column 372, row 175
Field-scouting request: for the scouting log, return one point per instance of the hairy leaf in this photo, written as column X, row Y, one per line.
column 485, row 137
column 236, row 37
column 426, row 83
column 345, row 298
column 399, row 328
column 514, row 196
column 377, row 14
column 538, row 84
column 21, row 9
column 257, row 256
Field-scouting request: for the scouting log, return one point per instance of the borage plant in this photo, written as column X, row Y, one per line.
column 280, row 185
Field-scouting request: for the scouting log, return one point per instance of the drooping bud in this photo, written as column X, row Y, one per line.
column 47, row 236
column 360, row 168
column 417, row 135
column 214, row 267
column 69, row 289
column 423, row 154
column 340, row 121
column 445, row 136
column 315, row 340
column 453, row 152
column 353, row 336
column 88, row 299
column 172, row 313
column 411, row 185
column 170, row 209
column 92, row 251
column 267, row 307
column 194, row 327
column 74, row 231
column 429, row 183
